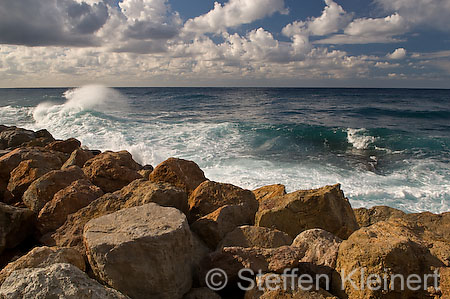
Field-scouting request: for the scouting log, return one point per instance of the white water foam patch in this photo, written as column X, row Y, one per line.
column 359, row 138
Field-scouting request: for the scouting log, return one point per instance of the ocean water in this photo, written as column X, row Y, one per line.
column 385, row 146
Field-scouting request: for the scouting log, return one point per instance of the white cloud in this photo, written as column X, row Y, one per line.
column 333, row 19
column 386, row 65
column 234, row 13
column 399, row 53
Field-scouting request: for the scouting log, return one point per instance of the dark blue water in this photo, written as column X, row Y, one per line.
column 386, row 146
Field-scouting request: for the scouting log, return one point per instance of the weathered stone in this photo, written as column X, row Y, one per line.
column 16, row 224
column 112, row 171
column 42, row 138
column 65, row 202
column 43, row 189
column 444, row 274
column 268, row 192
column 253, row 236
column 384, row 249
column 209, row 196
column 213, row 227
column 324, row 208
column 55, row 281
column 366, row 217
column 13, row 137
column 78, row 157
column 145, row 173
column 42, row 257
column 180, row 173
column 64, row 146
column 201, row 293
column 144, row 252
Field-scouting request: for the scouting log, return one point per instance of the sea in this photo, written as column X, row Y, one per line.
column 384, row 146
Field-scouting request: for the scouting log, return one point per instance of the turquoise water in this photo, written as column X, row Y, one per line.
column 385, row 146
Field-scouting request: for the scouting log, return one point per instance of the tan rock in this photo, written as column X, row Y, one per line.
column 65, row 202
column 112, row 171
column 78, row 157
column 324, row 208
column 55, row 281
column 144, row 252
column 384, row 249
column 445, row 282
column 271, row 191
column 66, row 146
column 253, row 236
column 181, row 173
column 16, row 224
column 213, row 227
column 43, row 189
column 209, row 196
column 137, row 193
column 42, row 257
column 366, row 217
column 201, row 293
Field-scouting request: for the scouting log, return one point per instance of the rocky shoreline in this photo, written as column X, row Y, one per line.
column 80, row 223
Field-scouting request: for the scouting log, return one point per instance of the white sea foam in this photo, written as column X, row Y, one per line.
column 359, row 138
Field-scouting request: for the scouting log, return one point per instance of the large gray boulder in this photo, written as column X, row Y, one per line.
column 16, row 224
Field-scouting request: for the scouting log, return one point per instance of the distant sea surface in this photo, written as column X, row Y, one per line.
column 385, row 146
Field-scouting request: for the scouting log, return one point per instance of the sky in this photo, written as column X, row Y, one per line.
column 280, row 43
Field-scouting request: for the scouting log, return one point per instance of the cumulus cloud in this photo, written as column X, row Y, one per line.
column 399, row 53
column 234, row 13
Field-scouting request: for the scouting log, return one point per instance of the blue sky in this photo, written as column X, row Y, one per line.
column 341, row 43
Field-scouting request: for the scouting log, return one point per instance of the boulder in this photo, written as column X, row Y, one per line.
column 382, row 249
column 55, row 281
column 43, row 189
column 324, row 208
column 16, row 224
column 253, row 236
column 112, row 171
column 213, row 227
column 445, row 282
column 65, row 202
column 42, row 138
column 201, row 293
column 137, row 193
column 42, row 257
column 64, row 146
column 78, row 157
column 180, row 173
column 271, row 191
column 144, row 252
column 13, row 137
column 366, row 217
column 209, row 196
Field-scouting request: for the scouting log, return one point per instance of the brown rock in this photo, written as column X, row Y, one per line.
column 13, row 137
column 65, row 202
column 16, row 224
column 324, row 208
column 180, row 173
column 78, row 157
column 201, row 293
column 253, row 236
column 112, row 171
column 209, row 196
column 366, row 217
column 138, row 193
column 213, row 227
column 42, row 138
column 271, row 191
column 43, row 189
column 445, row 282
column 41, row 257
column 65, row 146
column 144, row 252
column 384, row 248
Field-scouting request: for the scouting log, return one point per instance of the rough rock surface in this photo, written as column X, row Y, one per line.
column 137, row 193
column 253, row 236
column 42, row 257
column 445, row 282
column 65, row 202
column 64, row 146
column 324, row 208
column 112, row 171
column 271, row 191
column 213, row 227
column 78, row 157
column 13, row 137
column 55, row 281
column 209, row 196
column 201, row 293
column 366, row 217
column 43, row 189
column 144, row 252
column 383, row 248
column 181, row 173
column 16, row 224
